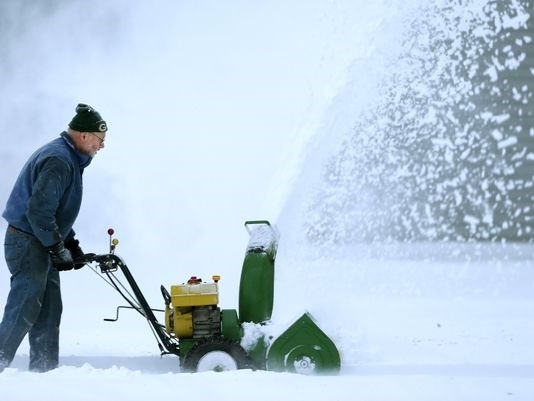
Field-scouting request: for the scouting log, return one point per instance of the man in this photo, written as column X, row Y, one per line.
column 40, row 242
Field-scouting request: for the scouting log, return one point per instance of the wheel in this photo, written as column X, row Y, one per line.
column 216, row 354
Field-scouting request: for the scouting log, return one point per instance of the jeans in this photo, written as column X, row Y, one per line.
column 33, row 305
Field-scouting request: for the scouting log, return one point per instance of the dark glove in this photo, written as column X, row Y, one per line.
column 73, row 245
column 60, row 257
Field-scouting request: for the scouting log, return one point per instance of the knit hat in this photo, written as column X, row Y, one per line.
column 87, row 119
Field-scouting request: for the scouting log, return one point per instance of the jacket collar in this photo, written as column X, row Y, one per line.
column 83, row 159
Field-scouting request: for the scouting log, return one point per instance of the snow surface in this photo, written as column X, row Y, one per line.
column 212, row 109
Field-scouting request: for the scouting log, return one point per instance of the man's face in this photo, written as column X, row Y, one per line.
column 92, row 142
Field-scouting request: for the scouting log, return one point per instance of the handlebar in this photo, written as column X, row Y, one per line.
column 108, row 262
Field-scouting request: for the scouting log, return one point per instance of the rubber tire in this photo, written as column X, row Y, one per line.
column 203, row 347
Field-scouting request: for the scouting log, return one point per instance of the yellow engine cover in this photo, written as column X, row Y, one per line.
column 183, row 324
column 179, row 322
column 194, row 295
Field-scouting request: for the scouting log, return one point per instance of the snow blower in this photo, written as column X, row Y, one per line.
column 206, row 337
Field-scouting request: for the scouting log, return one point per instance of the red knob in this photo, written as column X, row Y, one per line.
column 111, row 231
column 194, row 280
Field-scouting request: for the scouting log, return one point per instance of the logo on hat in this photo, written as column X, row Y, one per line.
column 102, row 127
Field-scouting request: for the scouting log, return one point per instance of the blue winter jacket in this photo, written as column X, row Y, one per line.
column 47, row 195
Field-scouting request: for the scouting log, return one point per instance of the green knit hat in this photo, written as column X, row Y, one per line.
column 87, row 119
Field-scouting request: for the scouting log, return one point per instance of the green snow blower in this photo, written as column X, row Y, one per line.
column 204, row 337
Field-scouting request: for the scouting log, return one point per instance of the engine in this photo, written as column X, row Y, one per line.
column 193, row 311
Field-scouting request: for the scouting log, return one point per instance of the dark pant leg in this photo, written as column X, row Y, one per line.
column 44, row 335
column 28, row 264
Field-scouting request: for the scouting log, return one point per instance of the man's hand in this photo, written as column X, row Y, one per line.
column 73, row 246
column 61, row 257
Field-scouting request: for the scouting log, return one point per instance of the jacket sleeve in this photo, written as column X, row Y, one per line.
column 53, row 176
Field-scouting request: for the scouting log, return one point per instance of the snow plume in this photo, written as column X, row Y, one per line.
column 444, row 153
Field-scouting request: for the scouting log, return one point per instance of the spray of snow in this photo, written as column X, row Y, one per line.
column 430, row 157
